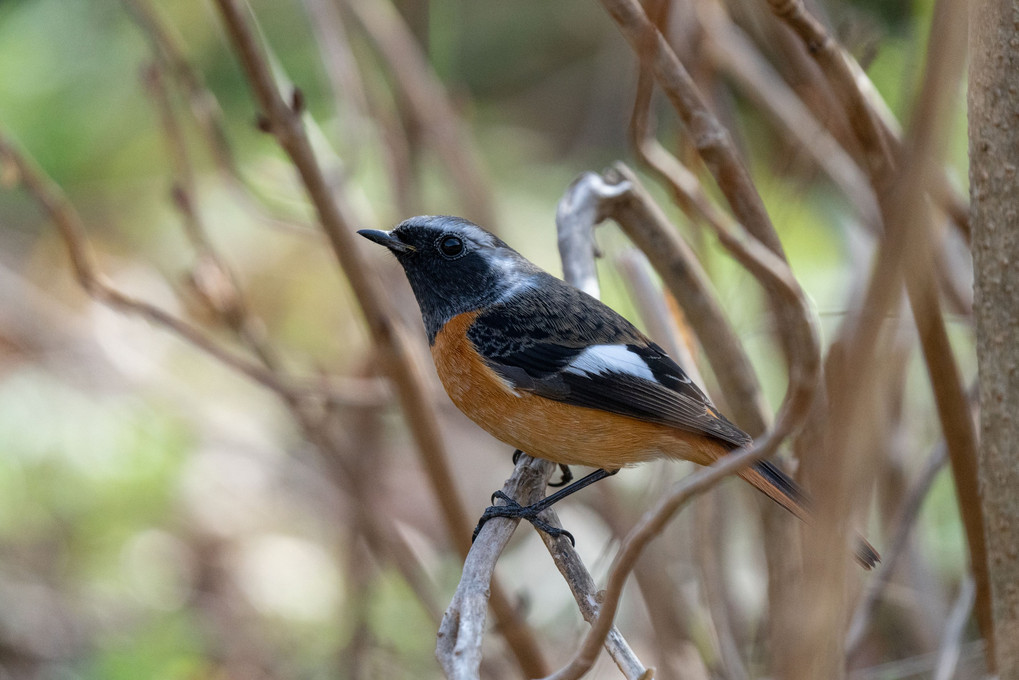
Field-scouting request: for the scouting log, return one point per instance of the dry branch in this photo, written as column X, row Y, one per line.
column 801, row 337
column 428, row 102
column 341, row 68
column 707, row 134
column 955, row 627
column 901, row 181
column 650, row 230
column 585, row 203
column 168, row 49
column 853, row 371
column 294, row 396
column 901, row 530
column 95, row 284
column 402, row 361
column 462, row 631
column 739, row 58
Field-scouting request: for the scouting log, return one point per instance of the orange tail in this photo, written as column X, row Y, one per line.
column 780, row 488
column 777, row 486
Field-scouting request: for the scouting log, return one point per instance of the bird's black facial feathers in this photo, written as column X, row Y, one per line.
column 455, row 266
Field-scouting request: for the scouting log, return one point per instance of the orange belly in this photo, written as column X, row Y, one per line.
column 549, row 429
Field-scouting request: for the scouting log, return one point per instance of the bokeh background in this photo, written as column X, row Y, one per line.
column 163, row 516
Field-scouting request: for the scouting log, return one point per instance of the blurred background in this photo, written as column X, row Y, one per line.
column 164, row 516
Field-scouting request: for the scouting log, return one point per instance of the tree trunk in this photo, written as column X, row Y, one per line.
column 994, row 190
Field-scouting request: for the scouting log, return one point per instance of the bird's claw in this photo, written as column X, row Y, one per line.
column 514, row 510
column 565, row 478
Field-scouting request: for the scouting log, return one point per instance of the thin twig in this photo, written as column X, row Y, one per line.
column 740, row 59
column 895, row 546
column 804, row 370
column 833, row 61
column 585, row 592
column 711, row 564
column 93, row 282
column 167, row 45
column 428, row 103
column 925, row 141
column 210, row 277
column 854, row 373
column 341, row 68
column 710, row 138
column 918, row 666
column 951, row 639
column 399, row 355
column 458, row 647
column 291, row 392
column 650, row 230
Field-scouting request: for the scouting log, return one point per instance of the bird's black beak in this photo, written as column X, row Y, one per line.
column 386, row 239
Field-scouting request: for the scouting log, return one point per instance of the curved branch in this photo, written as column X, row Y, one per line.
column 400, row 357
column 709, row 136
column 774, row 274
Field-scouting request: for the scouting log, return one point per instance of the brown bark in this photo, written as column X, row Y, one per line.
column 994, row 192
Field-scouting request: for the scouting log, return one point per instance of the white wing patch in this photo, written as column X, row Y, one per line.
column 604, row 359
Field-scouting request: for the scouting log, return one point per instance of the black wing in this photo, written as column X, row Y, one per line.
column 587, row 355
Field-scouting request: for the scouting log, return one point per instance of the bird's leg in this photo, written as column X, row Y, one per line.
column 567, row 474
column 513, row 509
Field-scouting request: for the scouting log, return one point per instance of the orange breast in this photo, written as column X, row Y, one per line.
column 549, row 429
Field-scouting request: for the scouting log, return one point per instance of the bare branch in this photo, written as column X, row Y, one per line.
column 738, row 57
column 400, row 356
column 955, row 626
column 709, row 525
column 833, row 61
column 708, row 135
column 294, row 394
column 801, row 338
column 429, row 103
column 852, row 371
column 86, row 271
column 584, row 204
column 585, row 592
column 900, row 533
column 462, row 631
column 168, row 48
column 650, row 230
column 341, row 68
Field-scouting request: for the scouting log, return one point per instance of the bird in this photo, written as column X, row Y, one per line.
column 556, row 373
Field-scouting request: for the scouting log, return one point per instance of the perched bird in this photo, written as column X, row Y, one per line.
column 554, row 372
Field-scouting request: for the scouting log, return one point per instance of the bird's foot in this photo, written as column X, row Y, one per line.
column 514, row 510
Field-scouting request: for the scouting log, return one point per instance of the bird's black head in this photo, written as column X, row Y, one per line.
column 454, row 266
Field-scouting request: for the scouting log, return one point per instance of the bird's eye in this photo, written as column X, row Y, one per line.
column 451, row 246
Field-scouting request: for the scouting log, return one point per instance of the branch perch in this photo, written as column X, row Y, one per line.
column 400, row 358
